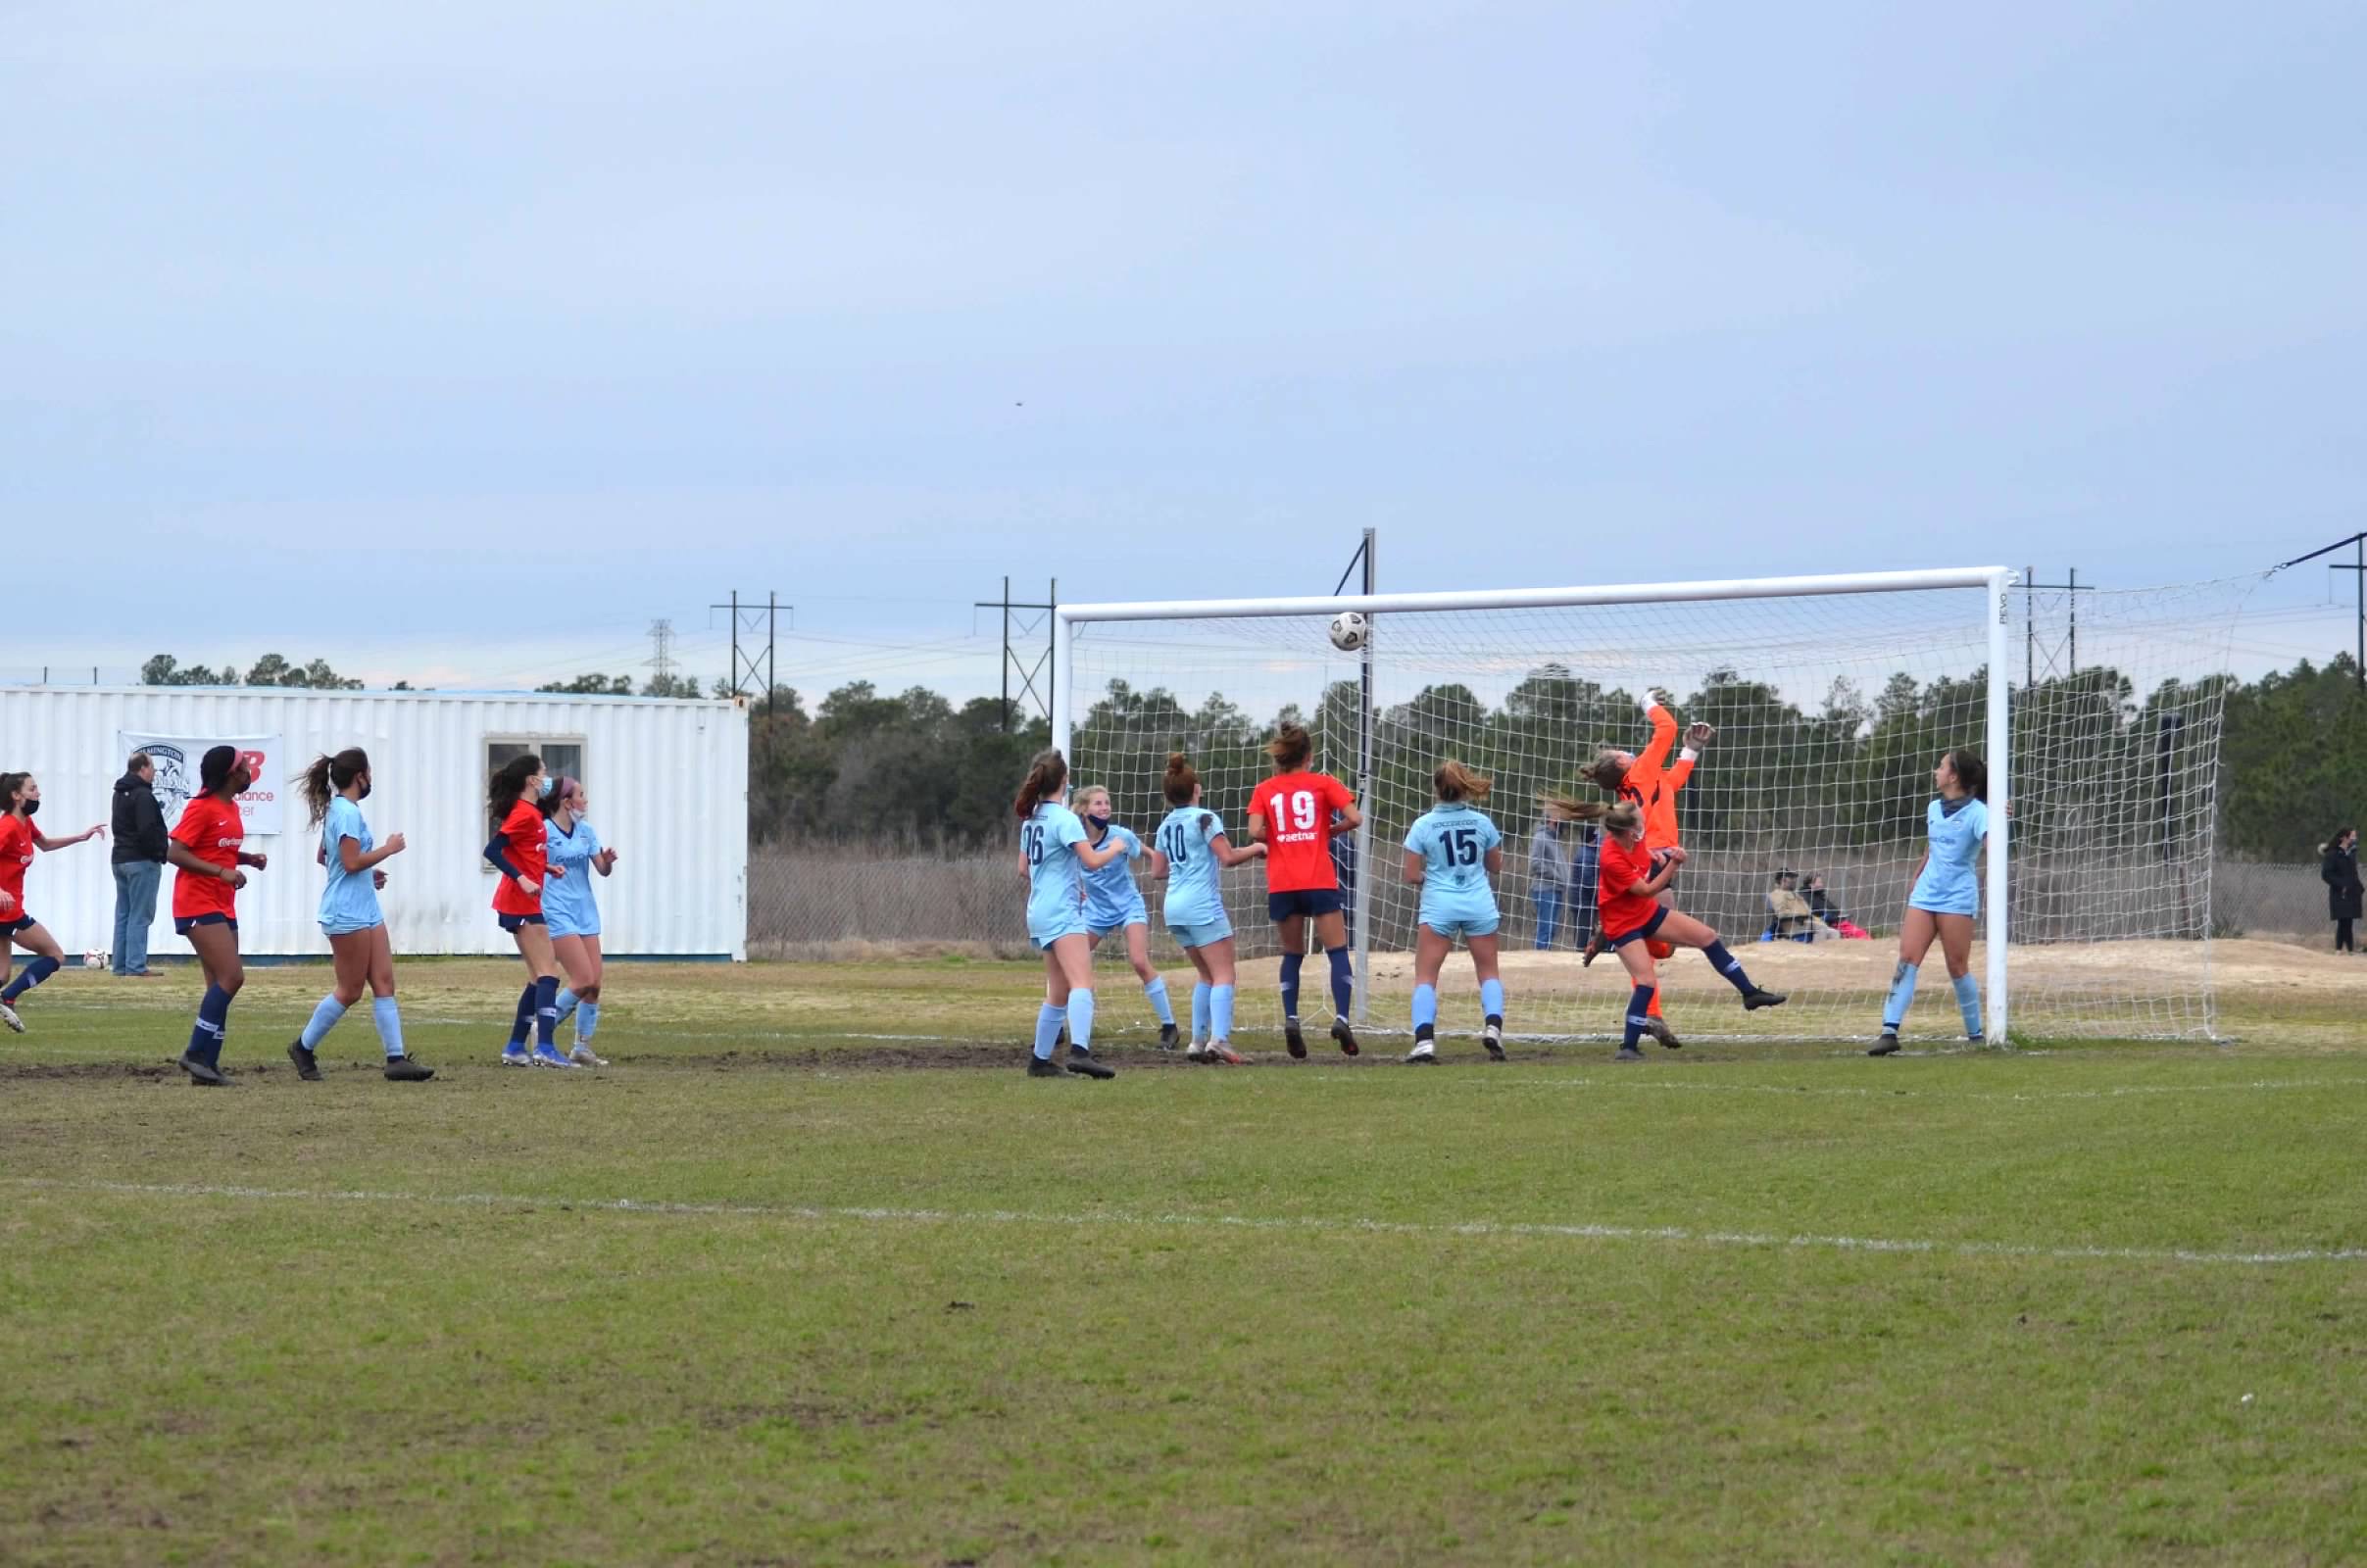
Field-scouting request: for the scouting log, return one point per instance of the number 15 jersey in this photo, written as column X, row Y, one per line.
column 1298, row 808
column 1455, row 841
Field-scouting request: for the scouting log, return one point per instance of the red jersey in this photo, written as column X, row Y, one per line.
column 1619, row 870
column 211, row 830
column 1298, row 808
column 523, row 842
column 15, row 853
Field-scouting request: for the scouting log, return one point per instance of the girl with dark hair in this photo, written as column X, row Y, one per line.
column 1947, row 896
column 19, row 799
column 1192, row 850
column 1054, row 854
column 573, row 913
column 521, row 851
column 1295, row 815
column 207, row 849
column 362, row 954
column 2339, row 869
column 1454, row 852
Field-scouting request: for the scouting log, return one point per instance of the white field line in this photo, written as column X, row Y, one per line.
column 1501, row 1082
column 805, row 1213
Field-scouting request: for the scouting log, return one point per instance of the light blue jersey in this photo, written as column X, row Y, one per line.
column 1195, row 896
column 1111, row 900
column 1950, row 883
column 568, row 905
column 1055, row 877
column 349, row 900
column 1453, row 841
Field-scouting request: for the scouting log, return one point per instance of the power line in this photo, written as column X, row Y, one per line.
column 1043, row 663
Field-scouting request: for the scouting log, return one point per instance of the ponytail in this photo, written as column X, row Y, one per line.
column 327, row 777
column 1606, row 772
column 1047, row 775
column 1181, row 780
column 1455, row 782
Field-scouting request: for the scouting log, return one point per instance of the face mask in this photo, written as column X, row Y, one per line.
column 30, row 806
column 547, row 783
column 364, row 788
column 1100, row 819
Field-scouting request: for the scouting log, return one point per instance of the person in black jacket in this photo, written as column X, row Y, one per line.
column 139, row 864
column 2339, row 871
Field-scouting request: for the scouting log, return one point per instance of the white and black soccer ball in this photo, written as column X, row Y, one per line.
column 1349, row 630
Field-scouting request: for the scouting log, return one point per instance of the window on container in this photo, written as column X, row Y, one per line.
column 562, row 757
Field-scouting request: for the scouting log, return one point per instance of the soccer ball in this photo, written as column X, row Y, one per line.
column 94, row 960
column 1348, row 629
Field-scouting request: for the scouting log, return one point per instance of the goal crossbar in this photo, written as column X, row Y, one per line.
column 1997, row 580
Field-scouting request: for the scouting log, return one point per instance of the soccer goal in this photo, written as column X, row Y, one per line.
column 1832, row 698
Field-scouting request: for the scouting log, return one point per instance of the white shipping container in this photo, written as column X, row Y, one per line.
column 668, row 783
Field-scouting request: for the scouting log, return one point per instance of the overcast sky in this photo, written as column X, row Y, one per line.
column 458, row 342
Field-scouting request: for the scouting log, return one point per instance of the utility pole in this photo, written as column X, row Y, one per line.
column 2071, row 588
column 662, row 653
column 744, row 666
column 2358, row 571
column 1026, row 619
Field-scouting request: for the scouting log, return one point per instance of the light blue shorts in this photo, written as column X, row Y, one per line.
column 1476, row 924
column 566, row 926
column 1949, row 896
column 346, row 928
column 1045, row 936
column 1203, row 934
column 1099, row 930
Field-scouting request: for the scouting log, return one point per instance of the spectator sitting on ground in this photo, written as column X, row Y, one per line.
column 1789, row 916
column 1825, row 909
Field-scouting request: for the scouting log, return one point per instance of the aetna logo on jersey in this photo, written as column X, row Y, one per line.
column 1295, row 817
column 229, row 843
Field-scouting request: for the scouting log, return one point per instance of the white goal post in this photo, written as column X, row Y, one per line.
column 1458, row 673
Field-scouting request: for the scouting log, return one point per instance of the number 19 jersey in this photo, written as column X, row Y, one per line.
column 1298, row 808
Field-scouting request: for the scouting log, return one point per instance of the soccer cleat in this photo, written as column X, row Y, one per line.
column 1493, row 1037
column 1887, row 1045
column 203, row 1074
column 1344, row 1034
column 1081, row 1063
column 549, row 1056
column 1975, row 1040
column 1628, row 1053
column 1424, row 1052
column 1658, row 1029
column 7, row 1016
column 584, row 1055
column 1218, row 1051
column 405, row 1070
column 308, row 1067
column 1045, row 1067
column 1196, row 1052
column 1292, row 1040
column 1166, row 1037
column 1594, row 951
column 1757, row 998
column 517, row 1056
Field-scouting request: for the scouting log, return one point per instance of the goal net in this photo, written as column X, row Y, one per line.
column 1832, row 699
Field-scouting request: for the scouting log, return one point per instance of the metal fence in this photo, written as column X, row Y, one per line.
column 836, row 900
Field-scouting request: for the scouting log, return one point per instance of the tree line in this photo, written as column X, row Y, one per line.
column 2099, row 766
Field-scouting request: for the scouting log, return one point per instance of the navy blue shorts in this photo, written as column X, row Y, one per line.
column 9, row 928
column 517, row 922
column 183, row 924
column 1280, row 907
column 1645, row 930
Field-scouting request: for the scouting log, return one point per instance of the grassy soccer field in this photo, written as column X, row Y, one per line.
column 767, row 1289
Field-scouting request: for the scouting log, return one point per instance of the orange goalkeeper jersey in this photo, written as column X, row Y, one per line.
column 1653, row 782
